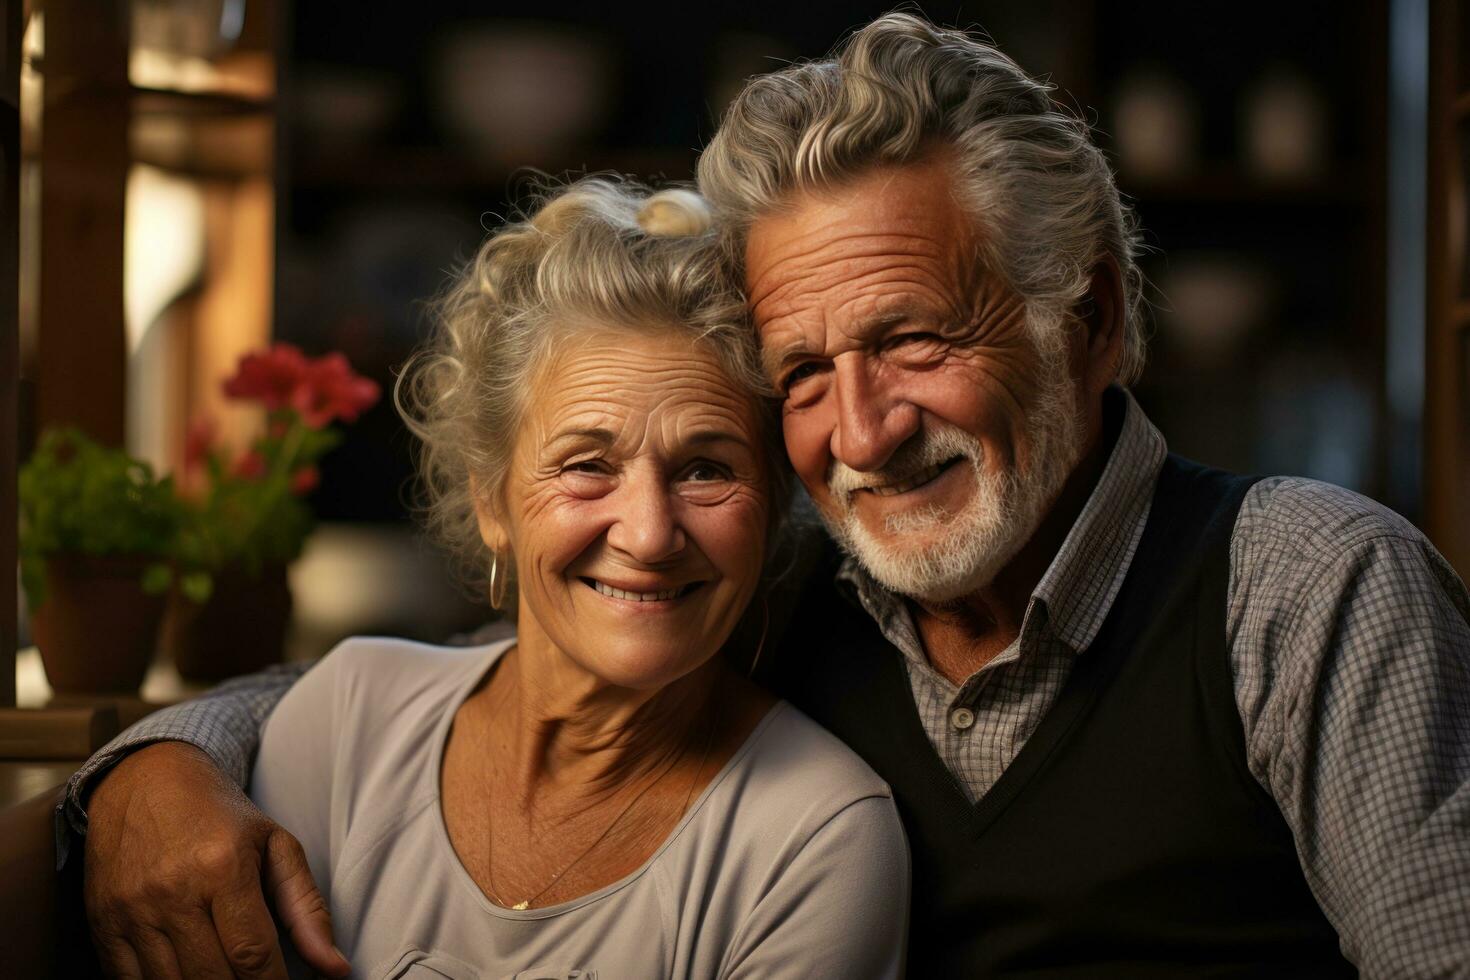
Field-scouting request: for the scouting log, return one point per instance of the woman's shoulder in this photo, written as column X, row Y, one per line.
column 801, row 826
column 367, row 713
column 385, row 666
column 795, row 766
column 370, row 681
column 392, row 662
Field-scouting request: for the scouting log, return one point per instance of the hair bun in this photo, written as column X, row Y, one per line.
column 675, row 213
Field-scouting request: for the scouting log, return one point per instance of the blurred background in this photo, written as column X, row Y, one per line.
column 200, row 177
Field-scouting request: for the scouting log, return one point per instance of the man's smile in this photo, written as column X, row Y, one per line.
column 923, row 477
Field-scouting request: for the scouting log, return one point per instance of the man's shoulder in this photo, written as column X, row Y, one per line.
column 1319, row 520
column 1295, row 538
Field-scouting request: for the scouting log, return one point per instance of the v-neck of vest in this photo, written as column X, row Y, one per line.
column 1077, row 695
column 1121, row 631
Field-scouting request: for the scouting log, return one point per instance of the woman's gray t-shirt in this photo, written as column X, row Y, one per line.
column 792, row 863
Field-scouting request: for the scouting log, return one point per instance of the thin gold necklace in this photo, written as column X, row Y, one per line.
column 524, row 904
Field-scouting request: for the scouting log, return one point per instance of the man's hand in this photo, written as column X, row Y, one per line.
column 178, row 863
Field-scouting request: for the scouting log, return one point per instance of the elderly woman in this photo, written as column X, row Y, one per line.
column 602, row 793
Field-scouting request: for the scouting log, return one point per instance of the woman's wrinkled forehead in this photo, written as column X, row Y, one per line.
column 632, row 386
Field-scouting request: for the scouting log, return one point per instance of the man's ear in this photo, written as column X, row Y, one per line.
column 492, row 530
column 1104, row 317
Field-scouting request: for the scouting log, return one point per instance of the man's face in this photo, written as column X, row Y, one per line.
column 928, row 426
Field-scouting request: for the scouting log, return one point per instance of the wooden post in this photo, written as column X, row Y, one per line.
column 81, row 364
column 1447, row 350
column 10, row 35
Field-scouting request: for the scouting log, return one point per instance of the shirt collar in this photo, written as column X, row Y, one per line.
column 1082, row 581
column 1079, row 586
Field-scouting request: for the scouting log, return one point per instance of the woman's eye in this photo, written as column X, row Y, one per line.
column 704, row 472
column 592, row 466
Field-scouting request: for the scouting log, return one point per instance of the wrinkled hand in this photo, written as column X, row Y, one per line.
column 178, row 862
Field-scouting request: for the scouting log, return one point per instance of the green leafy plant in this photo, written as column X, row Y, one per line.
column 77, row 497
column 80, row 498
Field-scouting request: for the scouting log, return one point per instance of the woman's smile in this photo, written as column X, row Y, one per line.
column 651, row 598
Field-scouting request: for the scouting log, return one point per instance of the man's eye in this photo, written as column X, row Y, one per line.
column 913, row 339
column 797, row 374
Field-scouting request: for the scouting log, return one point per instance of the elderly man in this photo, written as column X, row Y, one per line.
column 1142, row 718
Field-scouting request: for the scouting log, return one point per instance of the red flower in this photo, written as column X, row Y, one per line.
column 320, row 391
column 331, row 390
column 304, row 481
column 272, row 377
column 250, row 466
column 198, row 443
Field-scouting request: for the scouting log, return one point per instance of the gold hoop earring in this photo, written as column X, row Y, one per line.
column 498, row 581
column 765, row 625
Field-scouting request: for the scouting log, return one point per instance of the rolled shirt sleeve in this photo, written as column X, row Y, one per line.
column 1351, row 650
column 225, row 723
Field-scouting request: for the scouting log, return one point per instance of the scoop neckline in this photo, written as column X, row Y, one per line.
column 441, row 829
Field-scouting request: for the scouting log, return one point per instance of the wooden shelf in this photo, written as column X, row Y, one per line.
column 176, row 102
column 22, row 781
column 444, row 168
column 208, row 144
column 162, row 686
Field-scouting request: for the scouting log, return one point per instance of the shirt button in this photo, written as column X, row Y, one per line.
column 961, row 718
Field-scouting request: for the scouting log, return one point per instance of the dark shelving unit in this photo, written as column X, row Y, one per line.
column 1316, row 240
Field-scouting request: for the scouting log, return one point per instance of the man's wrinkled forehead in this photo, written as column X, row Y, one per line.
column 894, row 239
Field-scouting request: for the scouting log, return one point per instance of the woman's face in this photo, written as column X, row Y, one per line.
column 636, row 506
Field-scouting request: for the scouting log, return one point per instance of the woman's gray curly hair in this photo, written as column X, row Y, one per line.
column 599, row 252
column 899, row 89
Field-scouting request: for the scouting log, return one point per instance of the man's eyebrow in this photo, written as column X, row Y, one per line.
column 892, row 317
column 777, row 361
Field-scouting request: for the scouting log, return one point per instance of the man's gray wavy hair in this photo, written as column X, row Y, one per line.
column 900, row 88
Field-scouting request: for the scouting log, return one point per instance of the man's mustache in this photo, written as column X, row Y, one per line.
column 928, row 448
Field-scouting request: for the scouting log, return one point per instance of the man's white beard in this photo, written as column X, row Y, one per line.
column 935, row 556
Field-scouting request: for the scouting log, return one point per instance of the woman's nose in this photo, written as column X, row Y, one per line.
column 645, row 526
column 872, row 421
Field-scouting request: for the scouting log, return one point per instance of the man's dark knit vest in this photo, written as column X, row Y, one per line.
column 1128, row 838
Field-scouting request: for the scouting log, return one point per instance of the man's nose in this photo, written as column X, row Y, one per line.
column 645, row 526
column 872, row 419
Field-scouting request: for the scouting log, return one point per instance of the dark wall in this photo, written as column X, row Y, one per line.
column 1250, row 137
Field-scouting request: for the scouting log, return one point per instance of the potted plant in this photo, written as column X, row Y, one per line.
column 97, row 532
column 245, row 519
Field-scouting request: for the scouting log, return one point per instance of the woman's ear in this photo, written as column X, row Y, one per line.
column 492, row 530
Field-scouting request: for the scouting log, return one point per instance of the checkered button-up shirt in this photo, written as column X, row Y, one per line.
column 1350, row 644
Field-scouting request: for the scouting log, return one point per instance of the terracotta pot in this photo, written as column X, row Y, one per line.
column 97, row 630
column 239, row 630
